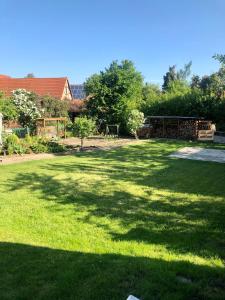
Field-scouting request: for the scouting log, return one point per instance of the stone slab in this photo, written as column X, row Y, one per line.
column 197, row 153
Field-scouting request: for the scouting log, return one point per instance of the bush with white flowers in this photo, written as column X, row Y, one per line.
column 135, row 121
column 26, row 105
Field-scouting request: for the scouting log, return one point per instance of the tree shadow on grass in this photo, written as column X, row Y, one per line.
column 165, row 214
column 30, row 272
column 149, row 165
column 171, row 220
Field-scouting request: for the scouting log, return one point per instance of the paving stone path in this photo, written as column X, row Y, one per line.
column 197, row 153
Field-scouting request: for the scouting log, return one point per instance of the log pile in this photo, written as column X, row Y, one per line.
column 173, row 127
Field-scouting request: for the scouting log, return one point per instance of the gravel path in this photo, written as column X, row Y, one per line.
column 92, row 144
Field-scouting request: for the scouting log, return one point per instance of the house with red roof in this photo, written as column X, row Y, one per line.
column 55, row 87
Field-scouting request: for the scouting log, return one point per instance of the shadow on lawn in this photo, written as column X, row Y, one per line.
column 149, row 165
column 172, row 219
column 29, row 272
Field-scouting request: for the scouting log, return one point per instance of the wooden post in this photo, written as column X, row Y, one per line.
column 64, row 128
column 57, row 127
column 44, row 126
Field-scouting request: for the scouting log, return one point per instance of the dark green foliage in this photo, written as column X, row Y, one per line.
column 193, row 103
column 173, row 75
column 52, row 107
column 204, row 97
column 37, row 144
column 55, row 147
column 220, row 58
column 195, row 81
column 8, row 108
column 114, row 93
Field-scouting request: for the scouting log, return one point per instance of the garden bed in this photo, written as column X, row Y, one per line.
column 73, row 146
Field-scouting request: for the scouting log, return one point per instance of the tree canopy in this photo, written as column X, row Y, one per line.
column 114, row 92
column 173, row 75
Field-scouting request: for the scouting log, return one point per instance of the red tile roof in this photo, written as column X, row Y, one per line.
column 41, row 86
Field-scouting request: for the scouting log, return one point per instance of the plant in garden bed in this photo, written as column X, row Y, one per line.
column 14, row 145
column 31, row 144
column 55, row 147
column 83, row 128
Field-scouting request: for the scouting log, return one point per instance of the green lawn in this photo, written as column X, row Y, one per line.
column 103, row 225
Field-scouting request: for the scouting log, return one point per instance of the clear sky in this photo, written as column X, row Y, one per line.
column 76, row 38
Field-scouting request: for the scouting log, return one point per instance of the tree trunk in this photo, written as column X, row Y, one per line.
column 81, row 143
column 135, row 135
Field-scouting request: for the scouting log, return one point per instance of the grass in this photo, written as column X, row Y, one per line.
column 103, row 225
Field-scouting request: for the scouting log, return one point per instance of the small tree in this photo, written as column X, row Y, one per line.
column 135, row 121
column 83, row 128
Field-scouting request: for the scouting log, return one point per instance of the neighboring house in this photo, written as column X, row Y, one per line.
column 55, row 87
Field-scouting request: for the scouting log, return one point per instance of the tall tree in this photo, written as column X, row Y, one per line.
column 174, row 75
column 220, row 58
column 170, row 76
column 184, row 73
column 114, row 92
column 213, row 84
column 29, row 75
column 195, row 81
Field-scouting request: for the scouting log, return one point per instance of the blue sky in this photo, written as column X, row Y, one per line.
column 78, row 38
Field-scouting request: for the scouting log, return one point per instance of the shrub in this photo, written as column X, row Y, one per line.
column 39, row 147
column 83, row 128
column 55, row 147
column 53, row 107
column 8, row 109
column 30, row 144
column 135, row 121
column 13, row 145
column 37, row 144
column 27, row 107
